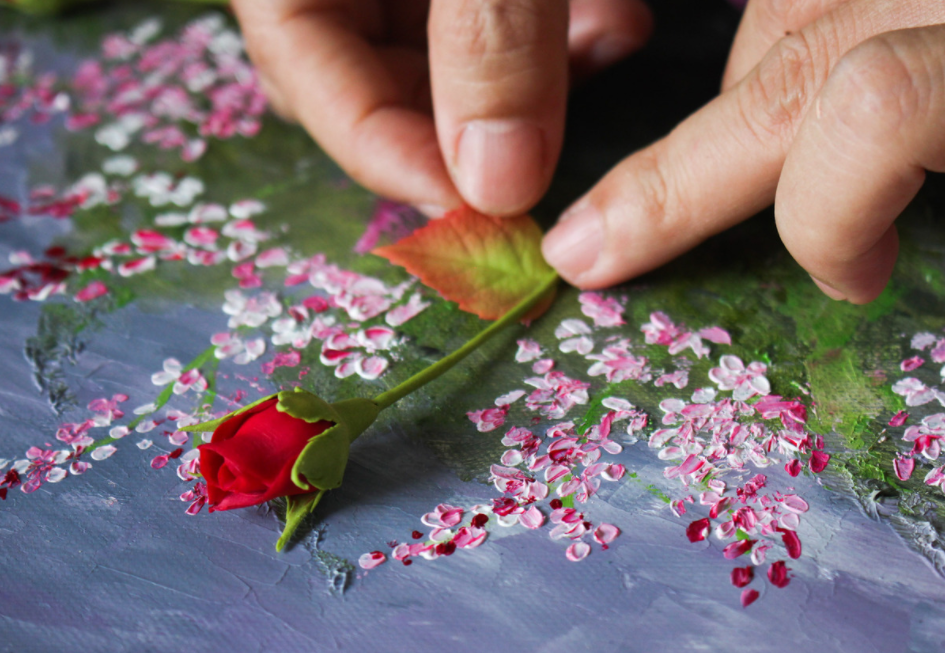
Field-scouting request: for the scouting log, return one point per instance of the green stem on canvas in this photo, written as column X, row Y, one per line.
column 420, row 379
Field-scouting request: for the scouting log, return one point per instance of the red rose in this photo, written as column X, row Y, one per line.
column 250, row 457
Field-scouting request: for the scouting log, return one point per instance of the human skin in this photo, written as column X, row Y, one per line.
column 831, row 109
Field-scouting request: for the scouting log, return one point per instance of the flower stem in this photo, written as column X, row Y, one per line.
column 420, row 379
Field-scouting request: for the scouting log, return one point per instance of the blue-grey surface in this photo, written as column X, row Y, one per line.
column 110, row 562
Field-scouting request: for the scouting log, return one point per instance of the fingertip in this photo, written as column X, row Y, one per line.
column 863, row 279
column 829, row 290
column 573, row 246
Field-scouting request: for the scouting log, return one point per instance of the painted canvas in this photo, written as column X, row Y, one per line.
column 711, row 457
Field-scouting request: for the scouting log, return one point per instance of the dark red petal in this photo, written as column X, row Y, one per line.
column 793, row 468
column 741, row 576
column 791, row 542
column 226, row 430
column 777, row 574
column 749, row 597
column 818, row 461
column 696, row 531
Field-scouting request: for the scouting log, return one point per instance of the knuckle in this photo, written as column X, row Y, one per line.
column 775, row 96
column 875, row 85
column 775, row 16
column 656, row 198
column 487, row 29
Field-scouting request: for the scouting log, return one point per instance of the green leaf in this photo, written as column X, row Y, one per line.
column 741, row 535
column 356, row 415
column 298, row 507
column 306, row 406
column 213, row 424
column 323, row 460
column 487, row 265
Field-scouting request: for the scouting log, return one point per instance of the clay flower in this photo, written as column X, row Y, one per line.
column 294, row 444
column 291, row 444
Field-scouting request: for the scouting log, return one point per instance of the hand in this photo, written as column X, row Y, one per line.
column 833, row 109
column 358, row 75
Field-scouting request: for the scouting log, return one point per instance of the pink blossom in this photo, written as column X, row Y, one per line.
column 528, row 350
column 745, row 381
column 915, row 392
column 679, row 378
column 605, row 311
column 910, row 364
column 617, row 364
column 556, row 394
column 488, row 419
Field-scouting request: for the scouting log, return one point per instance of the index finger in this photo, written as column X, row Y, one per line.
column 362, row 103
column 719, row 166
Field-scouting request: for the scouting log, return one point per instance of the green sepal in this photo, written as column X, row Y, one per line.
column 323, row 460
column 305, row 406
column 297, row 508
column 357, row 415
column 213, row 424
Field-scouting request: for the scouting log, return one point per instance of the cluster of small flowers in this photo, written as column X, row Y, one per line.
column 704, row 440
column 24, row 95
column 173, row 93
column 48, row 465
column 616, row 361
column 335, row 317
column 927, row 435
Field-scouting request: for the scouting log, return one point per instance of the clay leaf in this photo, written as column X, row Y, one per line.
column 486, row 265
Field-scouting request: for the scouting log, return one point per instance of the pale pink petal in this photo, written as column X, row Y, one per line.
column 371, row 368
column 532, row 518
column 55, row 475
column 904, row 468
column 103, row 452
column 92, row 291
column 912, row 363
column 510, row 398
column 716, row 334
column 606, row 533
column 528, row 350
column 137, row 266
column 401, row 314
column 582, row 345
column 578, row 551
column 372, row 560
column 275, row 257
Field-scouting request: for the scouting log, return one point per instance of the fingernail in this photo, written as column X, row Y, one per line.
column 610, row 49
column 575, row 243
column 432, row 211
column 500, row 165
column 830, row 291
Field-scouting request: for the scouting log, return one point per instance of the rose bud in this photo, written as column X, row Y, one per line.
column 291, row 444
